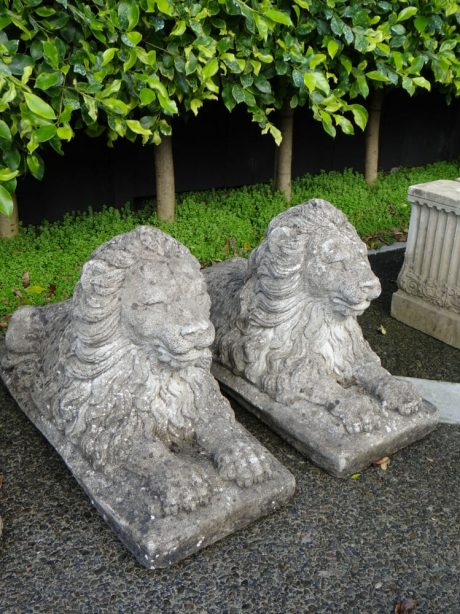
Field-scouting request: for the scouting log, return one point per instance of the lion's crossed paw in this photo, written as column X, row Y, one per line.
column 400, row 396
column 241, row 463
column 184, row 488
column 358, row 414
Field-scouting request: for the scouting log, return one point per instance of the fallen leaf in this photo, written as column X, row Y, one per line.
column 405, row 606
column 25, row 279
column 2, row 480
column 1, row 526
column 17, row 293
column 4, row 322
column 35, row 289
column 51, row 291
column 355, row 476
column 382, row 329
column 383, row 463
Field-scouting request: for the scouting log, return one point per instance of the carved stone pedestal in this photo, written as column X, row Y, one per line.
column 428, row 298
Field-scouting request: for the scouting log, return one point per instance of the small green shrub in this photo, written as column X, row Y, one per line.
column 215, row 225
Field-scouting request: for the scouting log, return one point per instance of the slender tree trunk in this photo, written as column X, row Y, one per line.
column 283, row 157
column 164, row 179
column 9, row 226
column 371, row 165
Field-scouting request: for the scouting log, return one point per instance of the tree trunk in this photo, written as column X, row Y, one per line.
column 283, row 157
column 164, row 179
column 371, row 164
column 9, row 226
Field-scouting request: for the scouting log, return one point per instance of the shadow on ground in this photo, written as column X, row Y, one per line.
column 349, row 546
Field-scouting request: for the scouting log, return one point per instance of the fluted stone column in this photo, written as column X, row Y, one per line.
column 428, row 298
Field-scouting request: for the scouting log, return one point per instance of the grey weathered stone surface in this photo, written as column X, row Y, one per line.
column 289, row 347
column 428, row 298
column 118, row 380
column 444, row 395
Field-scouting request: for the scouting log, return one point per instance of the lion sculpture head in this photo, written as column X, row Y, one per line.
column 290, row 312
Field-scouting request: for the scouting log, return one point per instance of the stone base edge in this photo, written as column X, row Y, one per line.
column 430, row 319
column 326, row 445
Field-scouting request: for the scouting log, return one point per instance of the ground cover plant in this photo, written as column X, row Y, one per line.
column 43, row 263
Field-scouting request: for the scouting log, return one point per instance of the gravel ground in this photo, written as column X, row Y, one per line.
column 349, row 546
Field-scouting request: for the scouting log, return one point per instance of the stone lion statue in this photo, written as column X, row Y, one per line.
column 121, row 371
column 286, row 320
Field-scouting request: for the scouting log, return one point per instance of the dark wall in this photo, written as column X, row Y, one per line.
column 218, row 149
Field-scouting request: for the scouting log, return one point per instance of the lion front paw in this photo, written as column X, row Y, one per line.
column 398, row 395
column 357, row 413
column 241, row 462
column 183, row 489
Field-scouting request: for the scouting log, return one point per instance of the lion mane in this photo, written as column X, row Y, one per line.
column 75, row 348
column 273, row 321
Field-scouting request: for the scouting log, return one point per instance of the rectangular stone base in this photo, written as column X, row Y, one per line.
column 159, row 541
column 430, row 319
column 318, row 436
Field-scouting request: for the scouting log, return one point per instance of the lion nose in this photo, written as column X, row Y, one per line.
column 197, row 328
column 372, row 286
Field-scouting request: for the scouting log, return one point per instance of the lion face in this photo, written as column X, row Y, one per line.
column 165, row 310
column 338, row 271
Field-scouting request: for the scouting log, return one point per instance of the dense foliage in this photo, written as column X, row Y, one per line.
column 127, row 67
column 214, row 225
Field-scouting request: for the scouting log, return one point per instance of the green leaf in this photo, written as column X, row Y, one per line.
column 65, row 133
column 322, row 83
column 131, row 39
column 39, row 107
column 12, row 157
column 355, row 476
column 210, row 69
column 45, row 80
column 5, row 132
column 35, row 166
column 238, row 93
column 179, row 28
column 51, row 53
column 45, row 133
column 278, row 17
column 376, row 75
column 137, row 127
column 165, row 7
column 407, row 13
column 6, row 202
column 116, row 106
column 6, row 174
column 108, row 55
column 422, row 82
column 362, row 85
column 332, row 47
column 421, row 23
column 128, row 14
column 168, row 105
column 146, row 96
column 195, row 104
column 309, row 80
column 360, row 115
column 36, row 289
column 345, row 124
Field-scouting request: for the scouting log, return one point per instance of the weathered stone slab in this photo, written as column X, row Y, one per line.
column 320, row 436
column 118, row 380
column 289, row 347
column 428, row 298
